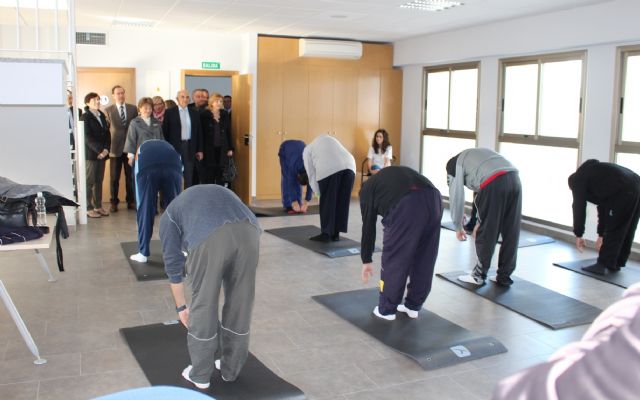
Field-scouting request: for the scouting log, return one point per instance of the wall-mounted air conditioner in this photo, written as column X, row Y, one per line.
column 330, row 49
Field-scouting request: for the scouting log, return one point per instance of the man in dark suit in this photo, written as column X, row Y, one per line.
column 181, row 127
column 119, row 115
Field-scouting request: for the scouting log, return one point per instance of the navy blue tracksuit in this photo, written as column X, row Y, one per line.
column 157, row 169
column 412, row 209
column 291, row 164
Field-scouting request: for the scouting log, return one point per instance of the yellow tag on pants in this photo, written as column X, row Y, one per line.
column 381, row 284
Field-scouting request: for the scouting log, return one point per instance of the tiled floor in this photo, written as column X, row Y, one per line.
column 75, row 320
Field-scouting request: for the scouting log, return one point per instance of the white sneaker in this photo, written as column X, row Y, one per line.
column 410, row 313
column 471, row 279
column 138, row 258
column 217, row 363
column 389, row 317
column 494, row 278
column 185, row 375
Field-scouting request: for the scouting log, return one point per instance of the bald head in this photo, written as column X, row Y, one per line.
column 182, row 98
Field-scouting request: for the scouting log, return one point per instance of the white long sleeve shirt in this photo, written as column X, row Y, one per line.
column 323, row 157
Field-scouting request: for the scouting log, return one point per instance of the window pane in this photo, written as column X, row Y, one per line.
column 631, row 112
column 545, row 192
column 560, row 99
column 631, row 161
column 520, row 99
column 464, row 99
column 436, row 151
column 437, row 100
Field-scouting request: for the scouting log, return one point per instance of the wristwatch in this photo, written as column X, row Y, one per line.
column 181, row 308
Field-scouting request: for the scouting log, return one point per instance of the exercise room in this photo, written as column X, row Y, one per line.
column 345, row 199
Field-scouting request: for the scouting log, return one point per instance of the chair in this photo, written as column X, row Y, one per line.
column 364, row 168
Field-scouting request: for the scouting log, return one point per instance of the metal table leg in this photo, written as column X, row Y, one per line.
column 44, row 265
column 20, row 324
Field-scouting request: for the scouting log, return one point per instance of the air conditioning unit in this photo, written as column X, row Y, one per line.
column 330, row 49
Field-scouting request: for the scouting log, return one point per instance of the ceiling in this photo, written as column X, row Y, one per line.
column 373, row 20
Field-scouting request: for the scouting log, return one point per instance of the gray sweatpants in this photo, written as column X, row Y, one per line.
column 499, row 212
column 227, row 259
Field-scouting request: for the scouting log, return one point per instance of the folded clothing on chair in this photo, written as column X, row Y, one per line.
column 19, row 235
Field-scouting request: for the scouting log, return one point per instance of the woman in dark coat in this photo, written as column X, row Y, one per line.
column 97, row 141
column 217, row 141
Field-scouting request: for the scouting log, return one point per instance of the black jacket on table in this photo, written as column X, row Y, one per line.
column 598, row 183
column 96, row 134
column 208, row 133
column 172, row 130
column 379, row 194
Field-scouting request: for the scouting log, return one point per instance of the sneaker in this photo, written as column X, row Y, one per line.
column 389, row 317
column 217, row 364
column 103, row 212
column 410, row 313
column 336, row 237
column 138, row 257
column 93, row 214
column 185, row 375
column 502, row 281
column 471, row 279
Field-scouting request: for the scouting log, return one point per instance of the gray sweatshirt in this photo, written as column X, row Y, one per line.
column 474, row 166
column 192, row 217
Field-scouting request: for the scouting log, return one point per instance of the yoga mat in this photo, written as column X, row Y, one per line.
column 430, row 340
column 300, row 235
column 626, row 277
column 526, row 238
column 153, row 269
column 281, row 212
column 540, row 304
column 161, row 351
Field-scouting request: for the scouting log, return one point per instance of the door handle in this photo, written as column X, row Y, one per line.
column 246, row 139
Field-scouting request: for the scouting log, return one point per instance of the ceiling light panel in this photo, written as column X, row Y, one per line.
column 431, row 5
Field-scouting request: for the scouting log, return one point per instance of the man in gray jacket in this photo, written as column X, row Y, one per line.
column 221, row 238
column 499, row 204
column 119, row 115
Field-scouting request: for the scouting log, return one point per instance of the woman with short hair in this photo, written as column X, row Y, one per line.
column 97, row 142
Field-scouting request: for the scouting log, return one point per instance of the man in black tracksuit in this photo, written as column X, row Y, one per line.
column 411, row 208
column 616, row 192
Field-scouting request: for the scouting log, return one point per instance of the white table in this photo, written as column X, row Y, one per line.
column 43, row 243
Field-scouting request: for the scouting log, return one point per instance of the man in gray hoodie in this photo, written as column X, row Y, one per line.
column 499, row 204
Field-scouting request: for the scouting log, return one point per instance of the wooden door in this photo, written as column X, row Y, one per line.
column 241, row 130
column 391, row 107
column 101, row 80
column 295, row 115
column 368, row 115
column 320, row 105
column 345, row 106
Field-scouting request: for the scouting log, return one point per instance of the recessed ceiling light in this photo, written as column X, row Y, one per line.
column 431, row 5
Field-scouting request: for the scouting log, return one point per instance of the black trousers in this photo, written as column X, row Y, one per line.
column 115, row 167
column 210, row 170
column 410, row 248
column 95, row 175
column 499, row 212
column 335, row 197
column 189, row 164
column 621, row 220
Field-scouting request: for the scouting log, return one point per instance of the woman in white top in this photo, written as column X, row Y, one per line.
column 380, row 152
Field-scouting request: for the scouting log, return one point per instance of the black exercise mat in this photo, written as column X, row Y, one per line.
column 540, row 304
column 281, row 212
column 430, row 340
column 161, row 351
column 300, row 235
column 626, row 277
column 526, row 238
column 153, row 269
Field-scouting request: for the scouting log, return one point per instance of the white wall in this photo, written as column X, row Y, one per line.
column 598, row 29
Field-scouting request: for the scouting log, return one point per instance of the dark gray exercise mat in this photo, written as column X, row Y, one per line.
column 542, row 305
column 526, row 238
column 626, row 277
column 430, row 340
column 281, row 212
column 161, row 351
column 153, row 269
column 300, row 235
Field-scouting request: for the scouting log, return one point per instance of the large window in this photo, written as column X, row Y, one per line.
column 627, row 146
column 540, row 129
column 449, row 118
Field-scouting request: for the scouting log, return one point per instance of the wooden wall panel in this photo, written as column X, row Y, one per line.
column 391, row 106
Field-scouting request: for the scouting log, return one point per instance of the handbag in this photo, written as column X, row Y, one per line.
column 14, row 212
column 230, row 172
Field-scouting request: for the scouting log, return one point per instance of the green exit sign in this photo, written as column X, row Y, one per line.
column 210, row 65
